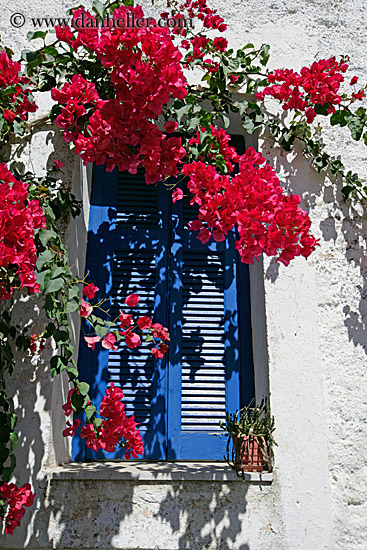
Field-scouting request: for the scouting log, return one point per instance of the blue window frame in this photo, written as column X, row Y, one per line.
column 138, row 241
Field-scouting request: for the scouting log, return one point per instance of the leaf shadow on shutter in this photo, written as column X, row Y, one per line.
column 126, row 252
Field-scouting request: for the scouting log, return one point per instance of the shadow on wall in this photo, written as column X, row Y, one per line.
column 141, row 515
column 339, row 220
column 40, row 434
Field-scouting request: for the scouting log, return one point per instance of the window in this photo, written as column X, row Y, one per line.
column 138, row 241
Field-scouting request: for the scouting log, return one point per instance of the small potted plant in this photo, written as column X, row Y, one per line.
column 251, row 432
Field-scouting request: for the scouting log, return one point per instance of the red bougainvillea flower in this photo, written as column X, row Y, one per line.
column 109, row 341
column 16, row 499
column 267, row 220
column 19, row 218
column 90, row 291
column 315, row 85
column 36, row 343
column 132, row 300
column 115, row 429
column 125, row 319
column 144, row 69
column 58, row 164
column 144, row 322
column 67, row 408
column 132, row 340
column 92, row 340
column 71, row 428
column 157, row 353
column 85, row 309
column 16, row 88
column 111, row 402
column 88, row 433
column 9, row 115
column 170, row 126
column 177, row 195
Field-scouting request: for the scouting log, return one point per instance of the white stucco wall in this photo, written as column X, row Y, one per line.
column 315, row 318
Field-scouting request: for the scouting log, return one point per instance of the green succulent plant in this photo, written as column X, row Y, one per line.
column 254, row 421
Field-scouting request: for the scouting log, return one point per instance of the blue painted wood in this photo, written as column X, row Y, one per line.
column 204, row 360
column 201, row 292
column 132, row 257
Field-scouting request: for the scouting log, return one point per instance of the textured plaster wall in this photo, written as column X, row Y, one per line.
column 316, row 350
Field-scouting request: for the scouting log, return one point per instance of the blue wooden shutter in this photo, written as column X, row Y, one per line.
column 210, row 361
column 128, row 252
column 205, row 359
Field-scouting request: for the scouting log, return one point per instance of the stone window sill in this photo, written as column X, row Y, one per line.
column 153, row 471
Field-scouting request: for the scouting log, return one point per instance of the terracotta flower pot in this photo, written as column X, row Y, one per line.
column 248, row 454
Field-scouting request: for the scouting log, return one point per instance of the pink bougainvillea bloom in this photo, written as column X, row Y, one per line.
column 109, row 341
column 233, row 78
column 177, row 195
column 90, row 290
column 85, row 309
column 132, row 300
column 158, row 353
column 132, row 340
column 125, row 319
column 204, row 236
column 9, row 115
column 353, row 81
column 16, row 498
column 170, row 126
column 71, row 428
column 58, row 164
column 67, row 408
column 91, row 341
column 144, row 322
column 220, row 44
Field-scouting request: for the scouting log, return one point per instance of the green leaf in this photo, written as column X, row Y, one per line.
column 49, row 330
column 98, row 7
column 32, row 35
column 321, row 109
column 44, row 258
column 70, row 306
column 31, row 56
column 4, row 453
column 60, row 336
column 248, row 125
column 181, row 112
column 77, row 401
column 73, row 291
column 193, row 123
column 346, row 191
column 90, row 411
column 101, row 330
column 19, row 127
column 4, row 432
column 13, row 438
column 264, row 55
column 83, row 388
column 55, row 273
column 43, row 277
column 226, row 120
column 356, row 126
column 54, row 285
column 339, row 117
column 45, row 235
